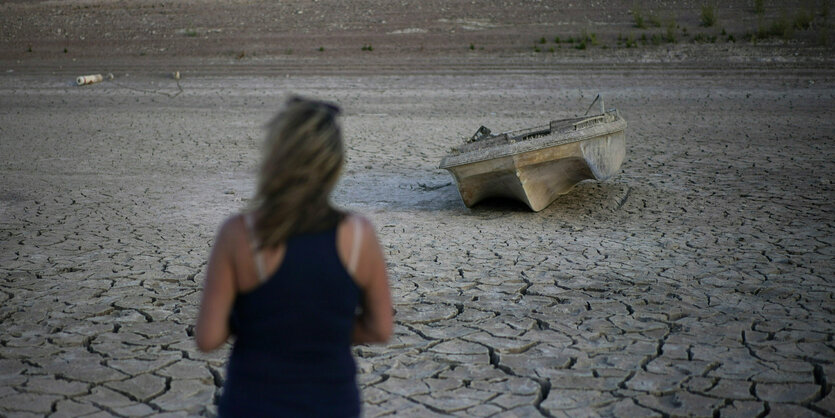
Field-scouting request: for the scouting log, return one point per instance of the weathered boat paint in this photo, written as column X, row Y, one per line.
column 537, row 165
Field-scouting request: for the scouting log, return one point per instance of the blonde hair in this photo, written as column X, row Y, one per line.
column 302, row 162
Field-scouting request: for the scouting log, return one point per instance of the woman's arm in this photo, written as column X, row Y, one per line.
column 375, row 322
column 218, row 291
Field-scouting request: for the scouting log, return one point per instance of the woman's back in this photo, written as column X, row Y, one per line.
column 294, row 328
column 292, row 352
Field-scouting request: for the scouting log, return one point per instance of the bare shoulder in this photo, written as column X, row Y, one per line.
column 232, row 230
column 365, row 225
column 350, row 222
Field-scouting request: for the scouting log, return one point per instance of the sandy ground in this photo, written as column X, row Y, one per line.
column 698, row 281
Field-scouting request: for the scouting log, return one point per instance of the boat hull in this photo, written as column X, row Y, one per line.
column 537, row 177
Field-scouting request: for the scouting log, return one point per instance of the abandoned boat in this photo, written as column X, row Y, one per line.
column 538, row 164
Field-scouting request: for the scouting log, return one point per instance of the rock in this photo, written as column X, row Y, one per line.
column 142, row 387
column 787, row 392
column 185, row 395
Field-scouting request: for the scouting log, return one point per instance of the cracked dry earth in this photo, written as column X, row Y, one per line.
column 699, row 281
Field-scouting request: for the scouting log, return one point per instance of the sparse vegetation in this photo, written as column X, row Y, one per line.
column 704, row 38
column 472, row 47
column 65, row 50
column 779, row 27
column 708, row 16
column 670, row 35
column 589, row 38
column 759, row 7
column 367, row 47
column 191, row 33
column 321, row 49
column 29, row 49
column 656, row 39
column 655, row 20
column 557, row 40
column 802, row 19
column 638, row 18
column 542, row 40
column 785, row 25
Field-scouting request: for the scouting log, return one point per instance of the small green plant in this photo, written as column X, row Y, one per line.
column 570, row 40
column 557, row 40
column 708, row 16
column 191, row 33
column 581, row 45
column 802, row 19
column 367, row 47
column 321, row 49
column 536, row 49
column 704, row 38
column 65, row 51
column 759, row 7
column 670, row 33
column 780, row 27
column 731, row 38
column 643, row 38
column 472, row 47
column 654, row 20
column 551, row 50
column 29, row 49
column 638, row 18
column 289, row 51
column 656, row 39
column 542, row 40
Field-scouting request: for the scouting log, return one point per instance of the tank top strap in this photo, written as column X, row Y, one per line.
column 258, row 260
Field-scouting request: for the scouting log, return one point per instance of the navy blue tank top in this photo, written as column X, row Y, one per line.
column 292, row 352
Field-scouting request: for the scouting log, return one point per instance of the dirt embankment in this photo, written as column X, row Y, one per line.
column 373, row 31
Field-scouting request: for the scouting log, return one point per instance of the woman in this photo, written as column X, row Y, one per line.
column 295, row 280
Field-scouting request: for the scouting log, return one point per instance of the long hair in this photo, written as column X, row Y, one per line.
column 303, row 159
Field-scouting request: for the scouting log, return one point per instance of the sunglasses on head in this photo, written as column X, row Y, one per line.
column 331, row 108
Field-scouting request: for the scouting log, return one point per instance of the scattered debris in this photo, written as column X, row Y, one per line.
column 176, row 75
column 88, row 79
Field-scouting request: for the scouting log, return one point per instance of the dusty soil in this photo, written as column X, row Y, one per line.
column 697, row 281
column 256, row 29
